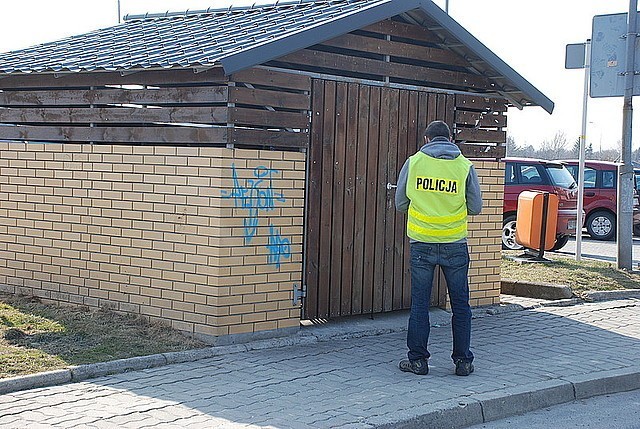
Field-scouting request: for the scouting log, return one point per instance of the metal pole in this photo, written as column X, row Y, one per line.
column 446, row 6
column 543, row 228
column 583, row 142
column 119, row 12
column 625, row 176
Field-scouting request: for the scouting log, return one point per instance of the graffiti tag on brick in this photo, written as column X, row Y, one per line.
column 257, row 195
column 278, row 247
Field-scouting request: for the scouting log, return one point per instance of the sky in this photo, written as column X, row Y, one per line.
column 530, row 36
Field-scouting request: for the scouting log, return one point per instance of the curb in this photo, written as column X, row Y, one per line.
column 609, row 295
column 483, row 408
column 42, row 379
column 535, row 290
column 561, row 294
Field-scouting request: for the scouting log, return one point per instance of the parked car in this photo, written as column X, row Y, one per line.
column 527, row 174
column 600, row 198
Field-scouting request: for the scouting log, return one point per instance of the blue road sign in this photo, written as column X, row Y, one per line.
column 574, row 56
column 608, row 56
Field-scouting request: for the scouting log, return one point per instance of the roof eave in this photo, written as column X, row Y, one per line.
column 479, row 49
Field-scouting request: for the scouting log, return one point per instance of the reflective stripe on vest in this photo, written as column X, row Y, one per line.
column 437, row 190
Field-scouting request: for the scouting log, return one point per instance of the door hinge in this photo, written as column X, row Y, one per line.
column 299, row 293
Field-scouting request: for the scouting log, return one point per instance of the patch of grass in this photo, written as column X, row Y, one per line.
column 36, row 337
column 581, row 276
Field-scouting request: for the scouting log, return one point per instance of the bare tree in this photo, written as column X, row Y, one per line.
column 555, row 148
column 609, row 155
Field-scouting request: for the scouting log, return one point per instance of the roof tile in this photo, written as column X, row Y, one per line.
column 175, row 40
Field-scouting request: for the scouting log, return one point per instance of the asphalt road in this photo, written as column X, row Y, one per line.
column 619, row 411
column 603, row 250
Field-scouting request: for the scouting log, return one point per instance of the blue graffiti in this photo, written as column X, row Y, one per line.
column 257, row 195
column 253, row 197
column 278, row 247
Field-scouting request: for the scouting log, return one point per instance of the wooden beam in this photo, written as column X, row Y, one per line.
column 489, row 120
column 207, row 94
column 269, row 118
column 396, row 49
column 273, row 78
column 406, row 31
column 473, row 102
column 263, row 97
column 115, row 134
column 268, row 138
column 112, row 115
column 483, row 151
column 480, row 135
column 382, row 68
column 97, row 78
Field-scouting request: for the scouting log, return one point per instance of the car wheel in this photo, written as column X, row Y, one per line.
column 601, row 225
column 560, row 242
column 509, row 234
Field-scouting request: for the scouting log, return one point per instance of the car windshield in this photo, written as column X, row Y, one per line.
column 561, row 177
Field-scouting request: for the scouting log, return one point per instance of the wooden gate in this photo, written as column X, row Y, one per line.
column 356, row 252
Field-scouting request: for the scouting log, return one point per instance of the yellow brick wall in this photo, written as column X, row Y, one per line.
column 485, row 236
column 166, row 232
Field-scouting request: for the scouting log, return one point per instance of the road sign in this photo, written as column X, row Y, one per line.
column 574, row 56
column 608, row 53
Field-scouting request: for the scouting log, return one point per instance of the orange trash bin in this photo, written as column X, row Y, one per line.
column 532, row 220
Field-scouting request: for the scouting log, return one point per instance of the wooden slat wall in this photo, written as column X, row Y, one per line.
column 273, row 103
column 258, row 108
column 389, row 51
column 480, row 124
column 152, row 107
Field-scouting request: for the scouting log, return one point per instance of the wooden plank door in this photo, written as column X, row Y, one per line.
column 356, row 252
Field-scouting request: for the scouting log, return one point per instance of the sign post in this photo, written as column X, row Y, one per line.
column 625, row 176
column 613, row 67
column 578, row 55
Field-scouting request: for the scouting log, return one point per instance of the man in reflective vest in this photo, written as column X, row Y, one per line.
column 438, row 188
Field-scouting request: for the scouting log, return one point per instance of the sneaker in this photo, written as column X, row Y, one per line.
column 464, row 368
column 418, row 366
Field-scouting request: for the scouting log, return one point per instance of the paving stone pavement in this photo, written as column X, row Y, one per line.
column 524, row 360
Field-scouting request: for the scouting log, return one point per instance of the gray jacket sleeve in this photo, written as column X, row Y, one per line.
column 474, row 194
column 402, row 201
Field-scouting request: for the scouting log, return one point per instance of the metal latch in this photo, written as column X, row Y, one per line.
column 299, row 293
column 391, row 186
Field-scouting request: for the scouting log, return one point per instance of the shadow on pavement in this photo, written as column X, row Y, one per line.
column 524, row 360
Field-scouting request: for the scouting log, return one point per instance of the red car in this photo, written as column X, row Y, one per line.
column 600, row 196
column 527, row 174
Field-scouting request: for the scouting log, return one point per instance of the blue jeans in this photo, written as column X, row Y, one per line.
column 453, row 258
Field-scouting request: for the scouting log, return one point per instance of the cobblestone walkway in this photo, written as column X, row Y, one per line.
column 350, row 383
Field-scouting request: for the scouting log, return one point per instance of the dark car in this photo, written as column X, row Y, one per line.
column 527, row 174
column 600, row 198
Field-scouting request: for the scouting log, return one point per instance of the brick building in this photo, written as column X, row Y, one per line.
column 202, row 168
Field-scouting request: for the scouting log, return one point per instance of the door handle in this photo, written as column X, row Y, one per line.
column 589, row 194
column 391, row 186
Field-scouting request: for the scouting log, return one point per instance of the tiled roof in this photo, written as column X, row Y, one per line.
column 192, row 38
column 241, row 37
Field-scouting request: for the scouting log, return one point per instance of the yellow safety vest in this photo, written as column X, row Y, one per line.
column 437, row 190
